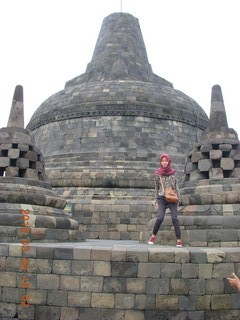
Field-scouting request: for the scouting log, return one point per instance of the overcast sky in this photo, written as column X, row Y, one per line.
column 192, row 43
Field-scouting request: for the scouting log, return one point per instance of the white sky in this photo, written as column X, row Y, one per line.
column 192, row 43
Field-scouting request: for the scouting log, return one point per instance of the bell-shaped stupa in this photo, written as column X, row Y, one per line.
column 102, row 135
column 28, row 206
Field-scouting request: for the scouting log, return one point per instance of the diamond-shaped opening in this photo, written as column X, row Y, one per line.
column 237, row 163
column 216, row 163
column 22, row 172
column 32, row 164
column 4, row 153
column 13, row 162
column 227, row 173
column 2, row 171
column 226, row 154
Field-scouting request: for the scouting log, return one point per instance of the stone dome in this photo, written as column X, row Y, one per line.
column 108, row 126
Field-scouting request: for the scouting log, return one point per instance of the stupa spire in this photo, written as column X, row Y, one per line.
column 16, row 117
column 218, row 125
column 218, row 117
column 120, row 51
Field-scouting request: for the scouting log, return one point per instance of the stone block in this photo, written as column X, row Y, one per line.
column 235, row 301
column 222, row 270
column 135, row 285
column 145, row 302
column 182, row 256
column 204, row 165
column 82, row 267
column 79, row 299
column 37, row 297
column 204, row 302
column 4, row 162
column 148, row 270
column 179, row 286
column 31, row 174
column 113, row 285
column 227, row 163
column 12, row 295
column 197, row 286
column 225, row 147
column 221, row 302
column 134, row 315
column 22, row 163
column 165, row 255
column 47, row 313
column 8, row 279
column 2, row 263
column 63, row 253
column 188, row 303
column 7, row 310
column 57, row 298
column 190, row 270
column 205, row 271
column 82, row 253
column 69, row 313
column 31, row 155
column 102, row 268
column 171, row 270
column 166, row 302
column 157, row 286
column 124, row 269
column 196, row 156
column 62, row 266
column 137, row 255
column 29, row 280
column 124, row 301
column 206, row 148
column 25, row 313
column 196, row 175
column 69, row 282
column 23, row 147
column 92, row 284
column 12, row 172
column 101, row 254
column 47, row 281
column 40, row 266
column 215, row 154
column 13, row 153
column 102, row 300
column 216, row 173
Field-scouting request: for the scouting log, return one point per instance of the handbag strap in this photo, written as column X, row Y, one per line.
column 162, row 184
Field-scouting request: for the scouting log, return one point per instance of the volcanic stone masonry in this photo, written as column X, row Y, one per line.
column 102, row 135
column 209, row 214
column 29, row 209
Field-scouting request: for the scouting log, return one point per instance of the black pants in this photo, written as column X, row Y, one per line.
column 162, row 206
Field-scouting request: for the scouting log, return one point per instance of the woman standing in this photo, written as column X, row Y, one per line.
column 165, row 177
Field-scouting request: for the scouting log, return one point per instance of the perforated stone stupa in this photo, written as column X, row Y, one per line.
column 210, row 195
column 102, row 135
column 26, row 198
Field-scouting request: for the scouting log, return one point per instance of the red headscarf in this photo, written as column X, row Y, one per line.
column 168, row 171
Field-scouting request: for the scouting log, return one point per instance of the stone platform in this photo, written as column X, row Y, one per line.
column 118, row 280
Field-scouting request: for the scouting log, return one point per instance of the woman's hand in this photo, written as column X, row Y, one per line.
column 234, row 282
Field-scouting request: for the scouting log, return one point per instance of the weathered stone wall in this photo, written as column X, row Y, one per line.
column 120, row 282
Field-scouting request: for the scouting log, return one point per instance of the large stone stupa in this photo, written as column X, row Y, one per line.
column 102, row 135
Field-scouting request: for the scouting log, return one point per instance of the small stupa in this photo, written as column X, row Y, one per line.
column 28, row 206
column 209, row 212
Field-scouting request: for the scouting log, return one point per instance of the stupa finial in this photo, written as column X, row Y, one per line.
column 16, row 117
column 218, row 117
